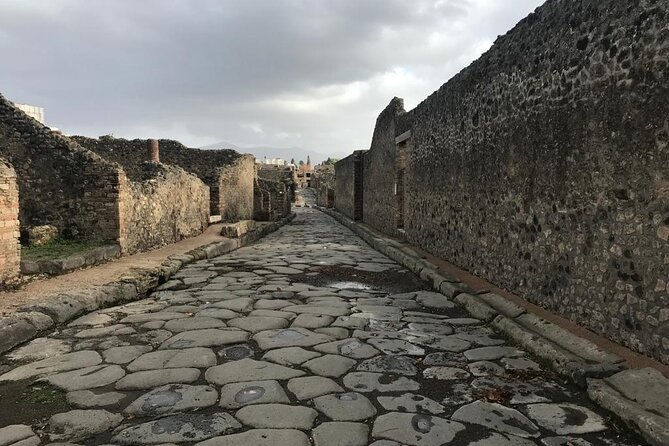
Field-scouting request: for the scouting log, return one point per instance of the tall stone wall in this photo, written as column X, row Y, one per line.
column 379, row 199
column 10, row 249
column 348, row 185
column 543, row 167
column 166, row 204
column 228, row 174
column 61, row 183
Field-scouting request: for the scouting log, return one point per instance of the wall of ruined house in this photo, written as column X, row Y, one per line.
column 272, row 200
column 348, row 185
column 228, row 174
column 10, row 249
column 379, row 200
column 543, row 167
column 322, row 181
column 162, row 206
column 61, row 183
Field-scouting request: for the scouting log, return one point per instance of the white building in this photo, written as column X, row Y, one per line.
column 272, row 161
column 33, row 111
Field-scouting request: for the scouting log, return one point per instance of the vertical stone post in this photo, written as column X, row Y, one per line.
column 154, row 150
column 10, row 248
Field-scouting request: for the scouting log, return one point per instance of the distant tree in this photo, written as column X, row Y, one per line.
column 308, row 160
column 330, row 161
column 301, row 163
column 292, row 161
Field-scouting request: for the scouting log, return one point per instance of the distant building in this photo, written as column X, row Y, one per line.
column 35, row 112
column 272, row 161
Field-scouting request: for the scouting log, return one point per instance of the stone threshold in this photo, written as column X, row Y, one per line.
column 64, row 265
column 33, row 320
column 640, row 398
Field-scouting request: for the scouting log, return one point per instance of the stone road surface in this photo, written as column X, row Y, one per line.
column 307, row 337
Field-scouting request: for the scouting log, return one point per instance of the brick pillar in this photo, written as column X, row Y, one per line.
column 154, row 150
column 10, row 248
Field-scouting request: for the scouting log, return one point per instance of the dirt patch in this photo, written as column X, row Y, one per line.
column 26, row 403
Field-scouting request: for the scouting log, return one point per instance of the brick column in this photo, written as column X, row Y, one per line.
column 10, row 248
column 154, row 150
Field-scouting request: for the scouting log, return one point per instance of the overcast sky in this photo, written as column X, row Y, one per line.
column 307, row 73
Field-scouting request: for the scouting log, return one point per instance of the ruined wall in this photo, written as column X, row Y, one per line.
column 323, row 181
column 379, row 201
column 164, row 205
column 348, row 189
column 543, row 167
column 10, row 249
column 228, row 174
column 61, row 183
column 272, row 200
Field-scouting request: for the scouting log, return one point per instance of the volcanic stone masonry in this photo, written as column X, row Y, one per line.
column 542, row 167
column 9, row 223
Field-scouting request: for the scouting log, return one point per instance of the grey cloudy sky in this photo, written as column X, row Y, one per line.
column 307, row 73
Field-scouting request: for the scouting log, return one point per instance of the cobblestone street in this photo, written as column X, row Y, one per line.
column 307, row 337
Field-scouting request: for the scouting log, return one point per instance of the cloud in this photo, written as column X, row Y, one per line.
column 258, row 72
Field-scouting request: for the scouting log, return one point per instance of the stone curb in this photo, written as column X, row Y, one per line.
column 30, row 321
column 56, row 267
column 575, row 358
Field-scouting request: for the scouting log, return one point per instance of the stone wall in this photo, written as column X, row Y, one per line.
column 272, row 200
column 10, row 249
column 164, row 205
column 229, row 174
column 348, row 185
column 323, row 181
column 542, row 167
column 61, row 183
column 379, row 200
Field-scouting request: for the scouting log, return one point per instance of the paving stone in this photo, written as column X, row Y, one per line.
column 416, row 429
column 197, row 357
column 564, row 441
column 290, row 355
column 565, row 418
column 249, row 370
column 492, row 353
column 446, row 373
column 87, row 378
column 153, row 337
column 172, row 398
column 485, row 368
column 124, row 355
column 309, row 387
column 177, row 428
column 236, row 395
column 236, row 352
column 417, row 329
column 449, row 359
column 330, row 310
column 479, row 336
column 279, row 416
column 521, row 391
column 334, row 332
column 15, row 433
column 81, row 424
column 410, row 402
column 350, row 406
column 240, row 304
column 350, row 322
column 646, row 387
column 520, row 364
column 289, row 337
column 496, row 439
column 267, row 304
column 312, row 321
column 261, row 437
column 112, row 330
column 284, row 270
column 218, row 313
column 154, row 378
column 205, row 338
column 370, row 382
column 193, row 323
column 397, row 347
column 450, row 343
column 62, row 363
column 273, row 313
column 351, row 348
column 340, row 434
column 497, row 417
column 40, row 348
column 85, row 398
column 254, row 324
column 330, row 365
column 434, row 300
column 389, row 364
